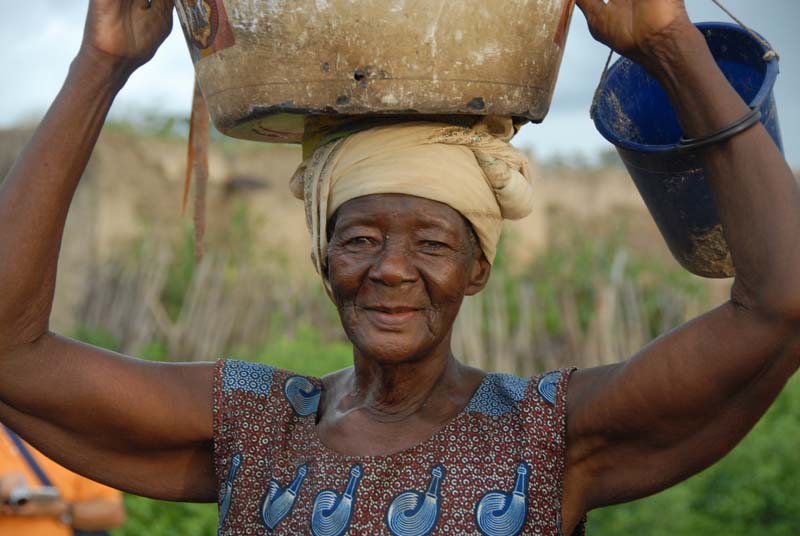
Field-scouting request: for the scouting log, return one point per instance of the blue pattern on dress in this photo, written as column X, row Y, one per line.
column 279, row 502
column 227, row 491
column 413, row 513
column 501, row 513
column 548, row 387
column 497, row 395
column 248, row 377
column 302, row 395
column 332, row 511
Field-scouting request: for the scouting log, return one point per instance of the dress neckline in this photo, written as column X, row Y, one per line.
column 317, row 442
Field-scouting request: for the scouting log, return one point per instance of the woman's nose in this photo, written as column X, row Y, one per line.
column 393, row 265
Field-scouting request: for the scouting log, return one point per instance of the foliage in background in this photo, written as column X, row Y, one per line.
column 180, row 274
column 578, row 261
column 306, row 353
column 160, row 518
column 754, row 490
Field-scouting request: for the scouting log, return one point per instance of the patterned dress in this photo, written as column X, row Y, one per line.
column 495, row 469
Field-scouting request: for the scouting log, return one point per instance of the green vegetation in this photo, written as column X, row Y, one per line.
column 754, row 490
column 307, row 353
column 160, row 518
column 578, row 262
column 179, row 277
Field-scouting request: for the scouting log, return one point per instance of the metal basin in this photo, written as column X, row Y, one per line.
column 264, row 65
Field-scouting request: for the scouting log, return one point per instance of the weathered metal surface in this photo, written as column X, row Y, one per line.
column 264, row 64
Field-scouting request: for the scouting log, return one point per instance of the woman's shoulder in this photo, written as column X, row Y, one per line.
column 500, row 393
column 237, row 378
column 249, row 375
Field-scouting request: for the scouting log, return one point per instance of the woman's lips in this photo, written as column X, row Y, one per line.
column 392, row 316
column 393, row 310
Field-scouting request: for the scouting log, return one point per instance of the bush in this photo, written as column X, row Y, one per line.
column 754, row 490
column 306, row 353
column 160, row 518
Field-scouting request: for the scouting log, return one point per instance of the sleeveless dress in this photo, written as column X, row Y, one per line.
column 495, row 469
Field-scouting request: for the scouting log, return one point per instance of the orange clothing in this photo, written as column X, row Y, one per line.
column 73, row 488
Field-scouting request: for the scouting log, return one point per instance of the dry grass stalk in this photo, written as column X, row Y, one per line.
column 618, row 326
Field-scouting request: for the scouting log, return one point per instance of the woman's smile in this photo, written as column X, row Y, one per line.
column 392, row 318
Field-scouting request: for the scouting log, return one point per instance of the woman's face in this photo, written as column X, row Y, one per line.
column 399, row 267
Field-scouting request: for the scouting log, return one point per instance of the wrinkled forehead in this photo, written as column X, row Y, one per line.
column 398, row 209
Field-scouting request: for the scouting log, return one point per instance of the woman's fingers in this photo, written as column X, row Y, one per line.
column 591, row 8
column 9, row 482
column 162, row 7
column 158, row 4
column 128, row 32
column 597, row 14
column 150, row 4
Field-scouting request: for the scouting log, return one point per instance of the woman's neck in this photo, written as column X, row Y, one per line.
column 390, row 392
column 380, row 408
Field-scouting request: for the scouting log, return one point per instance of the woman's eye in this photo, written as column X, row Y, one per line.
column 434, row 244
column 361, row 242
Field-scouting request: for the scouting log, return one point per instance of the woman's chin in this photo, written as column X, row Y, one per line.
column 396, row 337
column 393, row 347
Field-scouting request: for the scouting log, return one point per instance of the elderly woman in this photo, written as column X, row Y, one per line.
column 404, row 221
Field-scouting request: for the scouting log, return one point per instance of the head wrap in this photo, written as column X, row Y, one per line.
column 474, row 170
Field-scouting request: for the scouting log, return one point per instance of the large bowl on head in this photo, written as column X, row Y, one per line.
column 264, row 66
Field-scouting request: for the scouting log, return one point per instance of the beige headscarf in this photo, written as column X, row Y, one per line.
column 473, row 170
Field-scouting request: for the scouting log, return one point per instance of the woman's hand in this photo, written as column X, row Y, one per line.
column 8, row 483
column 13, row 481
column 636, row 28
column 126, row 33
column 53, row 509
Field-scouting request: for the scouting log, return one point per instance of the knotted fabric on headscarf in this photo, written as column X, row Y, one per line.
column 473, row 170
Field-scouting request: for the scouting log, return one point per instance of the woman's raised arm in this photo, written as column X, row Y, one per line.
column 688, row 398
column 137, row 426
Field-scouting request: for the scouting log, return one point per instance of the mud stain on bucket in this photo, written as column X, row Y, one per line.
column 710, row 254
column 622, row 124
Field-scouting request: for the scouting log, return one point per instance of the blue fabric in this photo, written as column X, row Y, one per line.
column 497, row 395
column 548, row 386
column 303, row 395
column 248, row 377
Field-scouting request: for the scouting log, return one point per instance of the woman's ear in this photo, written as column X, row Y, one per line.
column 478, row 276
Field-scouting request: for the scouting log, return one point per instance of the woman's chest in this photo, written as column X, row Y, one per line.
column 474, row 477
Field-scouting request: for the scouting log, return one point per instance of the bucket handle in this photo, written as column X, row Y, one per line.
column 770, row 55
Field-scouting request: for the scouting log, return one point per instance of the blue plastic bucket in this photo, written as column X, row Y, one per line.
column 634, row 113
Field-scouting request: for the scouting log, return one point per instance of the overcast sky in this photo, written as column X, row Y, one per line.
column 38, row 38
